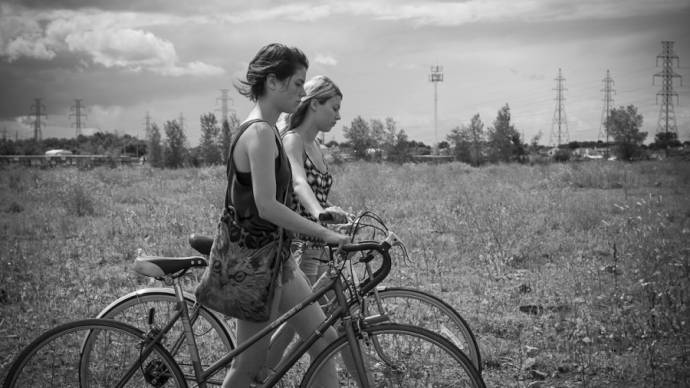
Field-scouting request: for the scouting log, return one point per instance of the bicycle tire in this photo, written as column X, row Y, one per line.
column 401, row 356
column 420, row 308
column 212, row 334
column 54, row 358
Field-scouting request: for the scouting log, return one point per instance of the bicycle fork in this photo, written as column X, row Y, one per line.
column 352, row 338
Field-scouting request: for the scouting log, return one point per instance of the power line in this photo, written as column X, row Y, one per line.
column 38, row 111
column 667, row 115
column 77, row 114
column 559, row 119
column 608, row 103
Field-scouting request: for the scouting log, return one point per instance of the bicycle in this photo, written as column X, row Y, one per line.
column 383, row 353
column 215, row 336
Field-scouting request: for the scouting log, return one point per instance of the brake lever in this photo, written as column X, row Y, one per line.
column 395, row 241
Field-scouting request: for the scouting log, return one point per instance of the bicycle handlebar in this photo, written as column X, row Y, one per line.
column 382, row 247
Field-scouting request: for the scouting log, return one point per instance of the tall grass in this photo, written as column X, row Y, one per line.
column 576, row 274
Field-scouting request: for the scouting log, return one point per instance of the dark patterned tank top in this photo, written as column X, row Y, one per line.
column 256, row 231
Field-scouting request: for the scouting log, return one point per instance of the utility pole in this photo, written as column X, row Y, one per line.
column 435, row 77
column 667, row 116
column 224, row 108
column 38, row 110
column 559, row 119
column 76, row 110
column 606, row 112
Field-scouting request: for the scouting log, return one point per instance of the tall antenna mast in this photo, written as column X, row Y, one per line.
column 608, row 103
column 667, row 115
column 38, row 111
column 77, row 113
column 559, row 119
column 435, row 77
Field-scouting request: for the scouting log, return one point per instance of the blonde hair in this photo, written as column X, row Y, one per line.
column 321, row 89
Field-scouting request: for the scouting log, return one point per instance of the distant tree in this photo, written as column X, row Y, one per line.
column 534, row 143
column 504, row 140
column 155, row 148
column 468, row 141
column 394, row 142
column 332, row 143
column 175, row 151
column 401, row 151
column 378, row 133
column 209, row 150
column 665, row 140
column 624, row 125
column 358, row 134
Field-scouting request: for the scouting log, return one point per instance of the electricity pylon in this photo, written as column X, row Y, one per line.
column 667, row 115
column 559, row 119
column 608, row 104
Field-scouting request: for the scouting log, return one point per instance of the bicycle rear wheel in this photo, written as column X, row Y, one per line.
column 54, row 359
column 398, row 355
column 212, row 335
column 419, row 308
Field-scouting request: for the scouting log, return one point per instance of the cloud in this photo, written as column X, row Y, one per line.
column 107, row 39
column 455, row 13
column 325, row 60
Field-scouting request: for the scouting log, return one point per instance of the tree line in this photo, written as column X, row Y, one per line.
column 373, row 140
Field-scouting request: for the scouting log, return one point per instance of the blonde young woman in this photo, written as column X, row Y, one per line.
column 318, row 112
column 275, row 83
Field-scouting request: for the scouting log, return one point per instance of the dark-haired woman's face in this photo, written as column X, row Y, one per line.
column 292, row 91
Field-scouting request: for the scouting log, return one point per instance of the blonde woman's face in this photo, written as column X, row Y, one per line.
column 328, row 113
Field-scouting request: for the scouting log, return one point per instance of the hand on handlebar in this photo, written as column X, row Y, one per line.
column 334, row 215
column 338, row 239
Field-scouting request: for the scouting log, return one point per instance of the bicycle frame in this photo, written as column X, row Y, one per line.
column 342, row 313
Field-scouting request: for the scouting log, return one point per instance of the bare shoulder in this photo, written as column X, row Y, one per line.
column 257, row 134
column 292, row 141
column 261, row 129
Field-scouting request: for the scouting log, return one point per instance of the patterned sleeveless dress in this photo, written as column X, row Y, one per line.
column 306, row 249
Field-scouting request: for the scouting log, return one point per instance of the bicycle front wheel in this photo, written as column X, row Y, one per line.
column 54, row 359
column 397, row 355
column 419, row 308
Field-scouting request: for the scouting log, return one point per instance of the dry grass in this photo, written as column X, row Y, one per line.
column 598, row 250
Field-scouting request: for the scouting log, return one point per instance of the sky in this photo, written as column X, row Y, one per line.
column 123, row 59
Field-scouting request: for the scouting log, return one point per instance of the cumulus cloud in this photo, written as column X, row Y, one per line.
column 325, row 60
column 109, row 40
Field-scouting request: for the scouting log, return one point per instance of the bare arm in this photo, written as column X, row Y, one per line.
column 257, row 147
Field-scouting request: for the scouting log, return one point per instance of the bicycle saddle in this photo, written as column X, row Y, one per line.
column 157, row 266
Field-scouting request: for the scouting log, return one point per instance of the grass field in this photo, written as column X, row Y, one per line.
column 569, row 274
